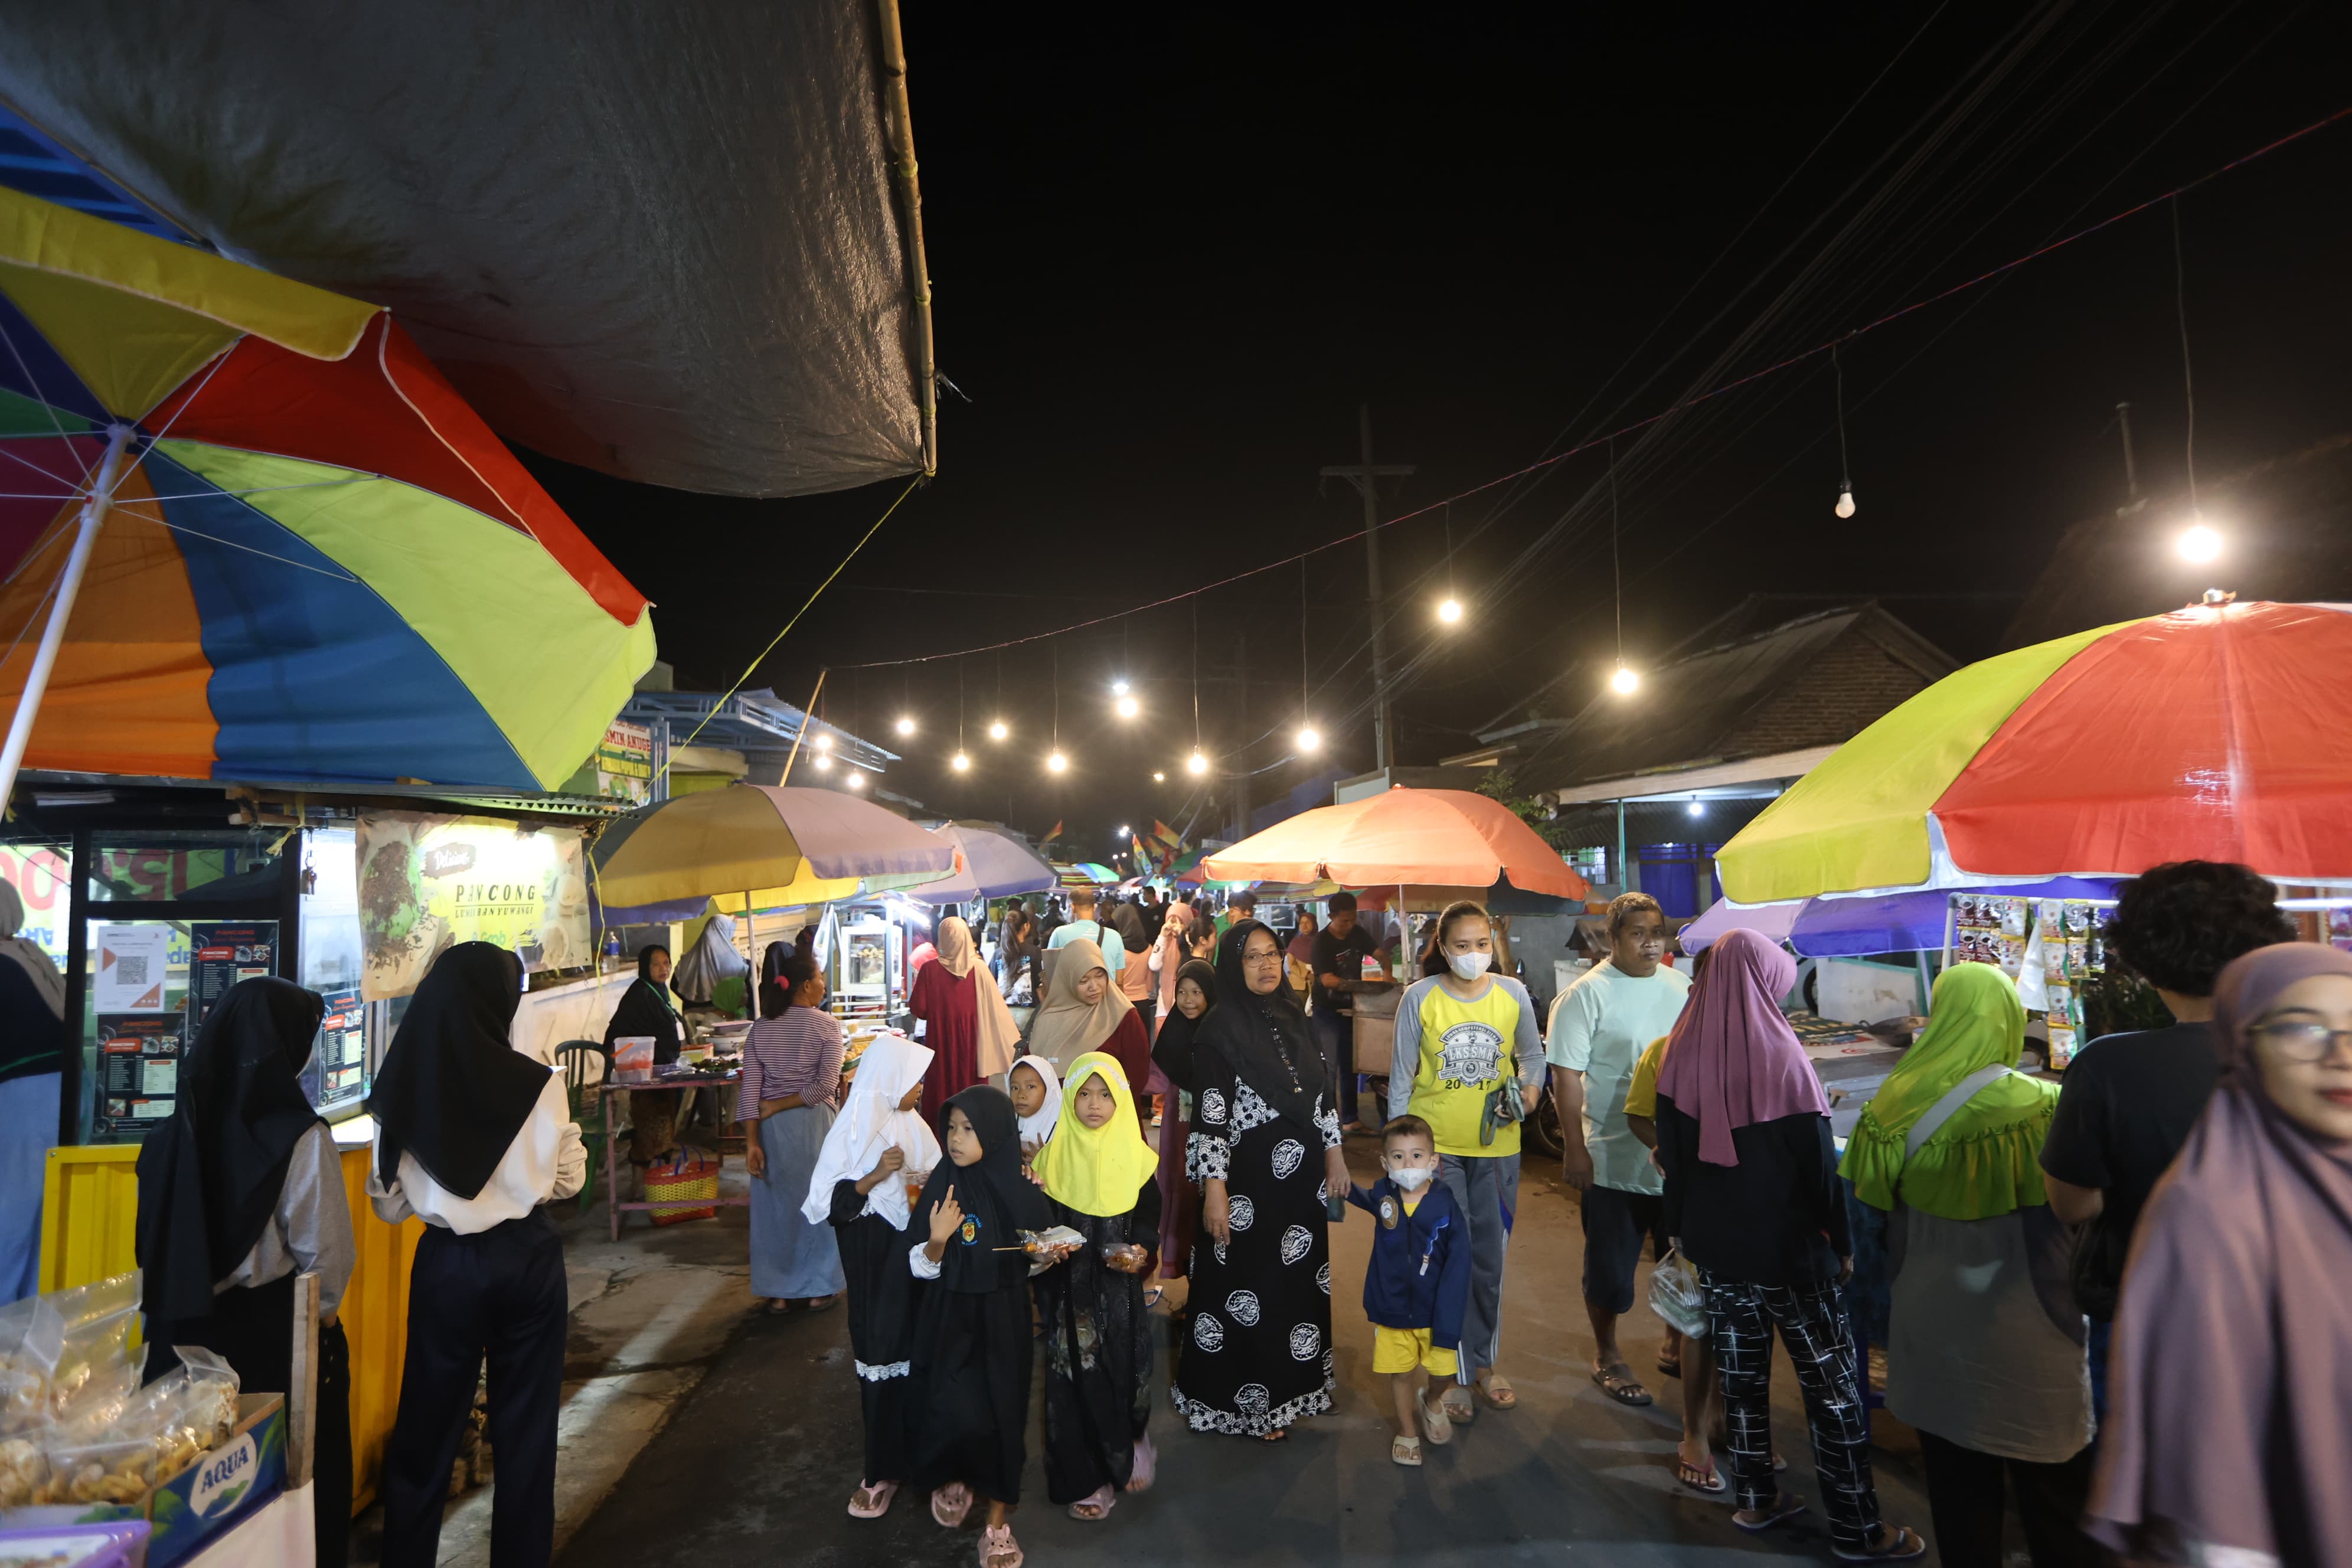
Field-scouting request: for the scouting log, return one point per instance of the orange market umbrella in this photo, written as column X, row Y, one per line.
column 1447, row 838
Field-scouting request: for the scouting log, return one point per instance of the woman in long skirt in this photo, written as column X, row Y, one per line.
column 1172, row 1068
column 1099, row 1172
column 791, row 1084
column 1266, row 1149
column 878, row 1146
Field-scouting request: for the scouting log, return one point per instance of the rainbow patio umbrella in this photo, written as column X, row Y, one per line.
column 2222, row 732
column 248, row 531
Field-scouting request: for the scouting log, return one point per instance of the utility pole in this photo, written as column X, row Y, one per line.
column 2131, row 467
column 1366, row 476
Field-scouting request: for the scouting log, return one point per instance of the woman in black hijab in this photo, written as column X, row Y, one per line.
column 1172, row 1065
column 1265, row 1150
column 475, row 1138
column 972, row 1336
column 239, row 1191
column 645, row 1010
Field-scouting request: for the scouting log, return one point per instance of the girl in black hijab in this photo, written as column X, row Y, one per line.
column 972, row 1335
column 1266, row 1149
column 240, row 1190
column 1172, row 1061
column 645, row 1009
column 475, row 1138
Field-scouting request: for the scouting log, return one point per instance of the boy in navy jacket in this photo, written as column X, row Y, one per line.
column 1418, row 1282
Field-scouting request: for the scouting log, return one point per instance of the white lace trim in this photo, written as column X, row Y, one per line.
column 1250, row 1110
column 883, row 1374
column 1327, row 1122
column 1202, row 1417
column 1205, row 1156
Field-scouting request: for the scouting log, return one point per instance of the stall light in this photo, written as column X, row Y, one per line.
column 997, row 732
column 856, row 778
column 1308, row 739
column 1449, row 610
column 960, row 762
column 1057, row 764
column 1196, row 764
column 1128, row 707
column 1698, row 807
column 1124, row 831
column 1118, row 688
column 2198, row 543
column 825, row 742
column 1844, row 507
column 1624, row 683
column 906, row 723
column 1159, row 778
column 822, row 762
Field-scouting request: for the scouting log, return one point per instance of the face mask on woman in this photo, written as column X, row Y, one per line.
column 1469, row 965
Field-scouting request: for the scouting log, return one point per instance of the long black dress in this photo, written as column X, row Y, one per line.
column 882, row 1298
column 1098, row 1352
column 1260, row 1356
column 973, row 1345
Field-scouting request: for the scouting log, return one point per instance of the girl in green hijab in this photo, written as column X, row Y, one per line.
column 1984, row 1349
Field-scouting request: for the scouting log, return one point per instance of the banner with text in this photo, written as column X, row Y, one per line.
column 428, row 883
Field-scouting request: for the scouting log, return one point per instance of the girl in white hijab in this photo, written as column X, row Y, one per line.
column 877, row 1146
column 1038, row 1104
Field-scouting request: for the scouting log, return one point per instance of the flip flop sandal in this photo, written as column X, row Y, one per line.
column 1498, row 1392
column 1279, row 1435
column 820, row 1303
column 1618, row 1382
column 1708, row 1480
column 779, row 1308
column 1669, row 1368
column 1405, row 1451
column 1434, row 1425
column 1146, row 1467
column 1102, row 1499
column 949, row 1503
column 877, row 1496
column 1905, row 1545
column 1788, row 1505
column 1462, row 1410
column 998, row 1549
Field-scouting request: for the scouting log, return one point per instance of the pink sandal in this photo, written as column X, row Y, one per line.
column 1147, row 1465
column 949, row 1503
column 877, row 1496
column 1103, row 1499
column 998, row 1549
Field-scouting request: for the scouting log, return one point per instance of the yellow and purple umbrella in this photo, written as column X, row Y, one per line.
column 248, row 531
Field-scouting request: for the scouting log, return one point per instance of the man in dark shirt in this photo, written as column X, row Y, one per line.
column 1340, row 948
column 2129, row 1099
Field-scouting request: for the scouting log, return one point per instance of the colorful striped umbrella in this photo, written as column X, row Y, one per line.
column 248, row 531
column 788, row 847
column 2222, row 731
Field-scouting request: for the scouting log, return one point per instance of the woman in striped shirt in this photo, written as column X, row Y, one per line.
column 790, row 1087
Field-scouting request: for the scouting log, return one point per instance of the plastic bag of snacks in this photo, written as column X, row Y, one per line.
column 32, row 1338
column 213, row 1388
column 93, row 1349
column 80, row 1304
column 22, row 1470
column 111, row 1469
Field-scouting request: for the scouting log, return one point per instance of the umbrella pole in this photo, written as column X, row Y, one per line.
column 53, row 636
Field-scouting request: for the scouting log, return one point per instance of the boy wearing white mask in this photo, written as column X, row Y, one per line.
column 1417, row 1283
column 1468, row 1059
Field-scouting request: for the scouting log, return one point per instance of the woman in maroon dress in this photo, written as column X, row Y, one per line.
column 971, row 1031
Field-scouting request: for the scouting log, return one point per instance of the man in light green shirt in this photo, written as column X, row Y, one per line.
column 1600, row 1026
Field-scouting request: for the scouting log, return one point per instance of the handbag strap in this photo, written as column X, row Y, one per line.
column 1943, row 1109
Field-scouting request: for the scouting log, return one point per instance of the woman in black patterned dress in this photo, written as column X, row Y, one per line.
column 1265, row 1150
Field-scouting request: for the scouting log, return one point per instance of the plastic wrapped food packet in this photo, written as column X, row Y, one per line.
column 213, row 1388
column 32, row 1339
column 22, row 1469
column 95, row 1346
column 82, row 1304
column 114, row 1469
column 104, row 1403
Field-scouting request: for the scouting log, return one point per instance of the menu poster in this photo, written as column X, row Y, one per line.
column 132, row 961
column 342, row 1046
column 138, row 1070
column 428, row 883
column 223, row 952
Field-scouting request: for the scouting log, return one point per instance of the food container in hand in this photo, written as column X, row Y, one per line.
column 633, row 1058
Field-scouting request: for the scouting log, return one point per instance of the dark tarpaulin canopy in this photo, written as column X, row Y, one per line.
column 677, row 244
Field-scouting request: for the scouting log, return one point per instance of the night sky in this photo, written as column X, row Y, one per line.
column 1170, row 263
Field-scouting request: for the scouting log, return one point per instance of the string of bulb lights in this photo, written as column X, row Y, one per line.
column 2198, row 542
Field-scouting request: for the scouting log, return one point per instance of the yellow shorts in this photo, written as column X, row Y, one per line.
column 1401, row 1350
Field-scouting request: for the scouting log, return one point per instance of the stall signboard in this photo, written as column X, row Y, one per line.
column 221, row 954
column 138, row 1070
column 342, row 1045
column 132, row 960
column 43, row 882
column 428, row 883
column 625, row 763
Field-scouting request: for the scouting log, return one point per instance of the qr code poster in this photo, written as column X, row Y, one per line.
column 131, row 962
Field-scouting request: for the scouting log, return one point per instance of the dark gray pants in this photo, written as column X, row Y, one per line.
column 1486, row 1189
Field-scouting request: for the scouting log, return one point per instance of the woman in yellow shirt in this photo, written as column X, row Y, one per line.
column 1464, row 1039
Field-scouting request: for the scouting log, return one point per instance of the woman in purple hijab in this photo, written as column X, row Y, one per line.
column 2229, row 1432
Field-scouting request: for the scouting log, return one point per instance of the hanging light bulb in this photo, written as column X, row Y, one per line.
column 997, row 732
column 1118, row 688
column 1057, row 764
column 1449, row 609
column 825, row 742
column 1625, row 682
column 2198, row 543
column 823, row 763
column 1159, row 778
column 1128, row 707
column 960, row 762
column 1125, row 831
column 1845, row 501
column 1698, row 807
column 856, row 778
column 1308, row 739
column 1196, row 764
column 906, row 723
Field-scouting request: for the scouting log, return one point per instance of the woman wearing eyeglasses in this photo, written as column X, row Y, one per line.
column 2226, row 1438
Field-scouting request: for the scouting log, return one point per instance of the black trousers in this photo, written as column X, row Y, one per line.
column 499, row 1294
column 1964, row 1498
column 252, row 1327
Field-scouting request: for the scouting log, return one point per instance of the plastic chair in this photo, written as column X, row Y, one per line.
column 573, row 1056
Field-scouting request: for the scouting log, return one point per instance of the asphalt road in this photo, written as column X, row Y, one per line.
column 763, row 1456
